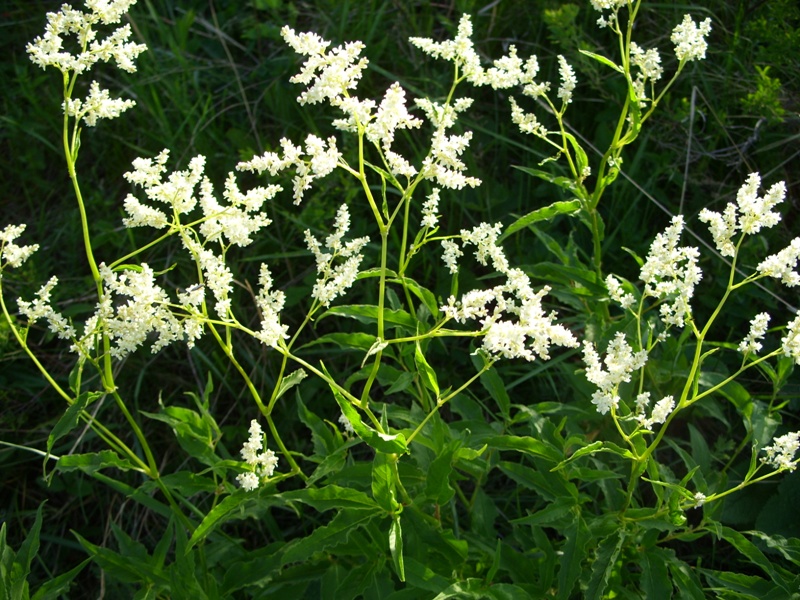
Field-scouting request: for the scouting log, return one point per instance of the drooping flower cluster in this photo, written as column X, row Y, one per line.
column 670, row 274
column 262, row 464
column 791, row 341
column 511, row 314
column 620, row 362
column 335, row 279
column 11, row 253
column 782, row 451
column 48, row 51
column 782, row 265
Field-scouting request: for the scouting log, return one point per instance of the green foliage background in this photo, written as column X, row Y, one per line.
column 215, row 81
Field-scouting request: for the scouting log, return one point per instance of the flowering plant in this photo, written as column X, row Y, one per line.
column 385, row 453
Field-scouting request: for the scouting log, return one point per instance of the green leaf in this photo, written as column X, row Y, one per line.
column 605, row 557
column 602, row 59
column 493, row 383
column 93, row 461
column 330, row 497
column 69, row 420
column 656, row 582
column 292, row 379
column 580, row 154
column 194, row 433
column 58, row 586
column 546, row 213
column 566, row 183
column 686, row 581
column 426, row 373
column 572, row 557
column 330, row 535
column 424, row 294
column 594, row 448
column 396, row 547
column 383, row 482
column 322, row 436
column 382, row 442
column 526, row 445
column 231, row 507
column 367, row 313
column 355, row 341
column 437, row 481
column 557, row 512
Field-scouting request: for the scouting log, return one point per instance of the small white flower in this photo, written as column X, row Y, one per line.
column 600, row 5
column 333, row 280
column 345, row 423
column 671, row 273
column 270, row 303
column 459, row 51
column 617, row 294
column 699, row 499
column 782, row 451
column 620, row 362
column 689, row 39
column 782, row 265
column 791, row 341
column 262, row 464
column 527, row 122
column 451, row 254
column 758, row 327
column 568, row 80
column 429, row 217
column 10, row 252
column 40, row 308
column 331, row 74
column 648, row 62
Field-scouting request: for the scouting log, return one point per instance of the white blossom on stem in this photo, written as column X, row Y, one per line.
column 671, row 273
column 261, row 464
column 782, row 451
column 40, row 308
column 782, row 265
column 11, row 253
column 620, row 362
column 459, row 51
column 791, row 341
column 690, row 39
column 758, row 327
column 335, row 279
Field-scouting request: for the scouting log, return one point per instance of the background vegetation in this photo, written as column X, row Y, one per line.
column 215, row 82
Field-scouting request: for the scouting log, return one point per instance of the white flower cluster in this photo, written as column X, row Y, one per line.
column 141, row 308
column 11, row 253
column 690, row 39
column 511, row 315
column 506, row 72
column 758, row 328
column 40, row 308
column 234, row 223
column 620, row 362
column 429, row 209
column 791, row 341
column 270, row 302
column 331, row 74
column 48, row 50
column 262, row 464
column 749, row 215
column 321, row 158
column 334, row 280
column 618, row 294
column 670, row 274
column 782, row 451
column 660, row 411
column 649, row 64
column 782, row 265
